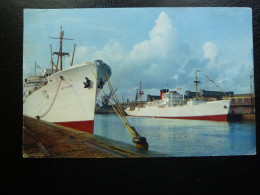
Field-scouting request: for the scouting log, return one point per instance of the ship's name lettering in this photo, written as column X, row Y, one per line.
column 65, row 87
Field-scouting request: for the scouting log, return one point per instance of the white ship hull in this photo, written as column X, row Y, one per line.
column 64, row 100
column 212, row 110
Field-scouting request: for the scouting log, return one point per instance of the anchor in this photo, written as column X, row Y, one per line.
column 87, row 83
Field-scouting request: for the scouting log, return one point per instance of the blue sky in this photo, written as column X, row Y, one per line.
column 158, row 46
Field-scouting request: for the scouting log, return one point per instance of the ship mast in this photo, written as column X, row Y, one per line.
column 51, row 60
column 73, row 55
column 196, row 83
column 136, row 95
column 140, row 92
column 35, row 69
column 60, row 53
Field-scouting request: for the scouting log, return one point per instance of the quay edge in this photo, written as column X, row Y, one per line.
column 43, row 139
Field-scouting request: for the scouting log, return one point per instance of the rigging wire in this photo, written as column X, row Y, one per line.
column 212, row 81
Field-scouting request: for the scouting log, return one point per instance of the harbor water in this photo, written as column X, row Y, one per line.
column 183, row 138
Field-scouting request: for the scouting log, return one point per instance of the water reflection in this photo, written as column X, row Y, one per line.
column 183, row 137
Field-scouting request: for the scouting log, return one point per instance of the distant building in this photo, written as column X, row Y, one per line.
column 190, row 94
column 153, row 97
column 204, row 93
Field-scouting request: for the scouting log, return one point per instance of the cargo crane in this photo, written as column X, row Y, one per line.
column 139, row 93
column 252, row 91
column 105, row 99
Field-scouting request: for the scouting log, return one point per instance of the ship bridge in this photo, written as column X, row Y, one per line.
column 48, row 72
column 173, row 98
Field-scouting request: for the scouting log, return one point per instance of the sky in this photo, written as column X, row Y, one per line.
column 160, row 47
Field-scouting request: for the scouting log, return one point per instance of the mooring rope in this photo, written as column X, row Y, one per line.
column 119, row 111
column 53, row 101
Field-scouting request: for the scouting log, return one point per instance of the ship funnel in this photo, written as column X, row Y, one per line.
column 162, row 91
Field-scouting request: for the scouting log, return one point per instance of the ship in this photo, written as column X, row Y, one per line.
column 173, row 105
column 65, row 97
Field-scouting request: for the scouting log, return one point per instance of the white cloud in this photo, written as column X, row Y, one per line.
column 152, row 70
column 149, row 61
column 175, row 77
column 210, row 52
column 159, row 43
column 111, row 52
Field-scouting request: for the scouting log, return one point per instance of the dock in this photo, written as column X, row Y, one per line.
column 43, row 139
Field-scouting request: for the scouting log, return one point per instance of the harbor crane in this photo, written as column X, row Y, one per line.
column 105, row 99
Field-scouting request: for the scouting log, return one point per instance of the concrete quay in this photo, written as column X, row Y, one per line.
column 43, row 139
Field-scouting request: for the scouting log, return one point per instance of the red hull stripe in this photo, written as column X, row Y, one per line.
column 87, row 126
column 211, row 117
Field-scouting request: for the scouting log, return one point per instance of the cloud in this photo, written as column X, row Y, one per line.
column 159, row 42
column 162, row 59
column 149, row 61
column 175, row 77
column 210, row 52
column 228, row 71
column 111, row 52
